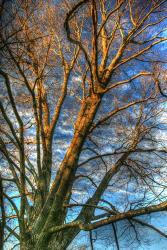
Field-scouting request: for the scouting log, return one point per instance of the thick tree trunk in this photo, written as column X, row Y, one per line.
column 54, row 213
column 63, row 239
column 56, row 241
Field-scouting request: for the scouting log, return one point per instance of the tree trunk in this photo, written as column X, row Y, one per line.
column 56, row 241
column 2, row 215
column 63, row 239
column 54, row 213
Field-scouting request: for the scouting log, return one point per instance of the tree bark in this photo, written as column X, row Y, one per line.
column 54, row 213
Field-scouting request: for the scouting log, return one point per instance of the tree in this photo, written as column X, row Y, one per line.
column 82, row 104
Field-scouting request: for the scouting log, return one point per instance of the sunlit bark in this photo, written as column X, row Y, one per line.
column 41, row 61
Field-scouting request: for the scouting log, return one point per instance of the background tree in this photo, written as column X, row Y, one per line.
column 83, row 107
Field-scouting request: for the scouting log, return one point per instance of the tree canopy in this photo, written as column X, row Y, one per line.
column 83, row 138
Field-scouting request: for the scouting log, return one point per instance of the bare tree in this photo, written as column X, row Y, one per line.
column 83, row 106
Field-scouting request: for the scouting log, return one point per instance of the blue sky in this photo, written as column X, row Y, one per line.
column 108, row 138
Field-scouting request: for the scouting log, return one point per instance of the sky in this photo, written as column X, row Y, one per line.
column 108, row 142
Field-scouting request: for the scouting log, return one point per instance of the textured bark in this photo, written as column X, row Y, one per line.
column 2, row 215
column 37, row 59
column 63, row 239
column 54, row 213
